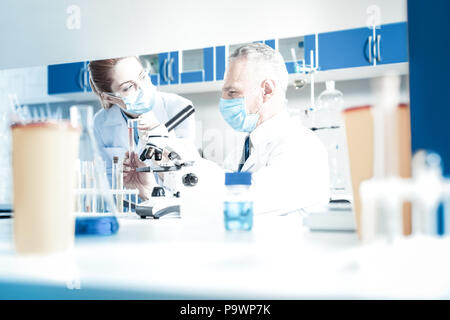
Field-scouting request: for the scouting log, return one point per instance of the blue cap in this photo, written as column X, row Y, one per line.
column 238, row 178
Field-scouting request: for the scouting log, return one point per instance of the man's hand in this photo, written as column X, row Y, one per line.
column 143, row 181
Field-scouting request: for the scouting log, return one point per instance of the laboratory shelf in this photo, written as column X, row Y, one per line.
column 366, row 72
column 216, row 86
column 320, row 76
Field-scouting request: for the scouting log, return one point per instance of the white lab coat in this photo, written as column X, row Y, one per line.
column 289, row 165
column 111, row 128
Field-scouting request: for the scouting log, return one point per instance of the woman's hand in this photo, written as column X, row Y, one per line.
column 157, row 130
column 142, row 181
column 149, row 125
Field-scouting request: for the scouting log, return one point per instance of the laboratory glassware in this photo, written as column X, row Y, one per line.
column 117, row 182
column 327, row 118
column 331, row 103
column 95, row 194
column 238, row 204
column 132, row 131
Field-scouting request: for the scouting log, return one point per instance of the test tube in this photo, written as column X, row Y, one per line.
column 129, row 202
column 101, row 204
column 117, row 182
column 294, row 57
column 132, row 124
column 88, row 182
column 79, row 197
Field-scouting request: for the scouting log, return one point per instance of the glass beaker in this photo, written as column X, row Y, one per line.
column 94, row 194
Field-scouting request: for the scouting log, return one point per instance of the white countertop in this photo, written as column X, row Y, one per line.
column 193, row 258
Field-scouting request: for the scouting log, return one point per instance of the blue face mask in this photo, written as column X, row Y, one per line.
column 234, row 113
column 143, row 100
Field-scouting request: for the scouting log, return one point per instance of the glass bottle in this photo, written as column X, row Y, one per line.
column 331, row 103
column 238, row 205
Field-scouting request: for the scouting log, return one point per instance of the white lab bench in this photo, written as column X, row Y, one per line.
column 193, row 258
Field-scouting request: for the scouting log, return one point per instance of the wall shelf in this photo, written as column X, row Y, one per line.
column 216, row 86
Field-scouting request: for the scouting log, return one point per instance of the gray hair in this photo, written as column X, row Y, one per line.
column 269, row 62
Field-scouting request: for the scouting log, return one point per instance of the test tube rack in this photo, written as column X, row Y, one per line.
column 92, row 200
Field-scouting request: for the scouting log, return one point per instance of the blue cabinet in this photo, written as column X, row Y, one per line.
column 339, row 49
column 345, row 49
column 68, row 78
column 192, row 76
column 168, row 68
column 198, row 65
column 220, row 62
column 309, row 45
column 155, row 79
column 271, row 43
column 173, row 68
column 208, row 63
column 361, row 47
column 163, row 60
column 392, row 43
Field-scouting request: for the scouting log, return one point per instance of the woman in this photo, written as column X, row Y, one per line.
column 126, row 92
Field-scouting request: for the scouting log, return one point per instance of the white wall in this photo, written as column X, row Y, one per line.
column 29, row 84
column 41, row 32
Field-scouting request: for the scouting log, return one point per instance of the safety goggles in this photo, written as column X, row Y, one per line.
column 130, row 87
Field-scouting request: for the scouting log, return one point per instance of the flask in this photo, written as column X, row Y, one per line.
column 330, row 105
column 97, row 211
column 238, row 204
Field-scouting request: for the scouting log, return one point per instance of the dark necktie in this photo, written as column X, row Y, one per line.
column 246, row 152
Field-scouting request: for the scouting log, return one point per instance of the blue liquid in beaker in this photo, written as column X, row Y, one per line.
column 238, row 215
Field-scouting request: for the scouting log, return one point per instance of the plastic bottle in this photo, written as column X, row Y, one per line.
column 238, row 205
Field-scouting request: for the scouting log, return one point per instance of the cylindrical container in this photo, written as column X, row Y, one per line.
column 238, row 204
column 44, row 169
column 132, row 130
column 359, row 126
column 117, row 182
column 359, row 132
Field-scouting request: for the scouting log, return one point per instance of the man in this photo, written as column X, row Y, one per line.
column 288, row 162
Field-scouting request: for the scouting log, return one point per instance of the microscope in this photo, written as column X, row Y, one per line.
column 175, row 175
